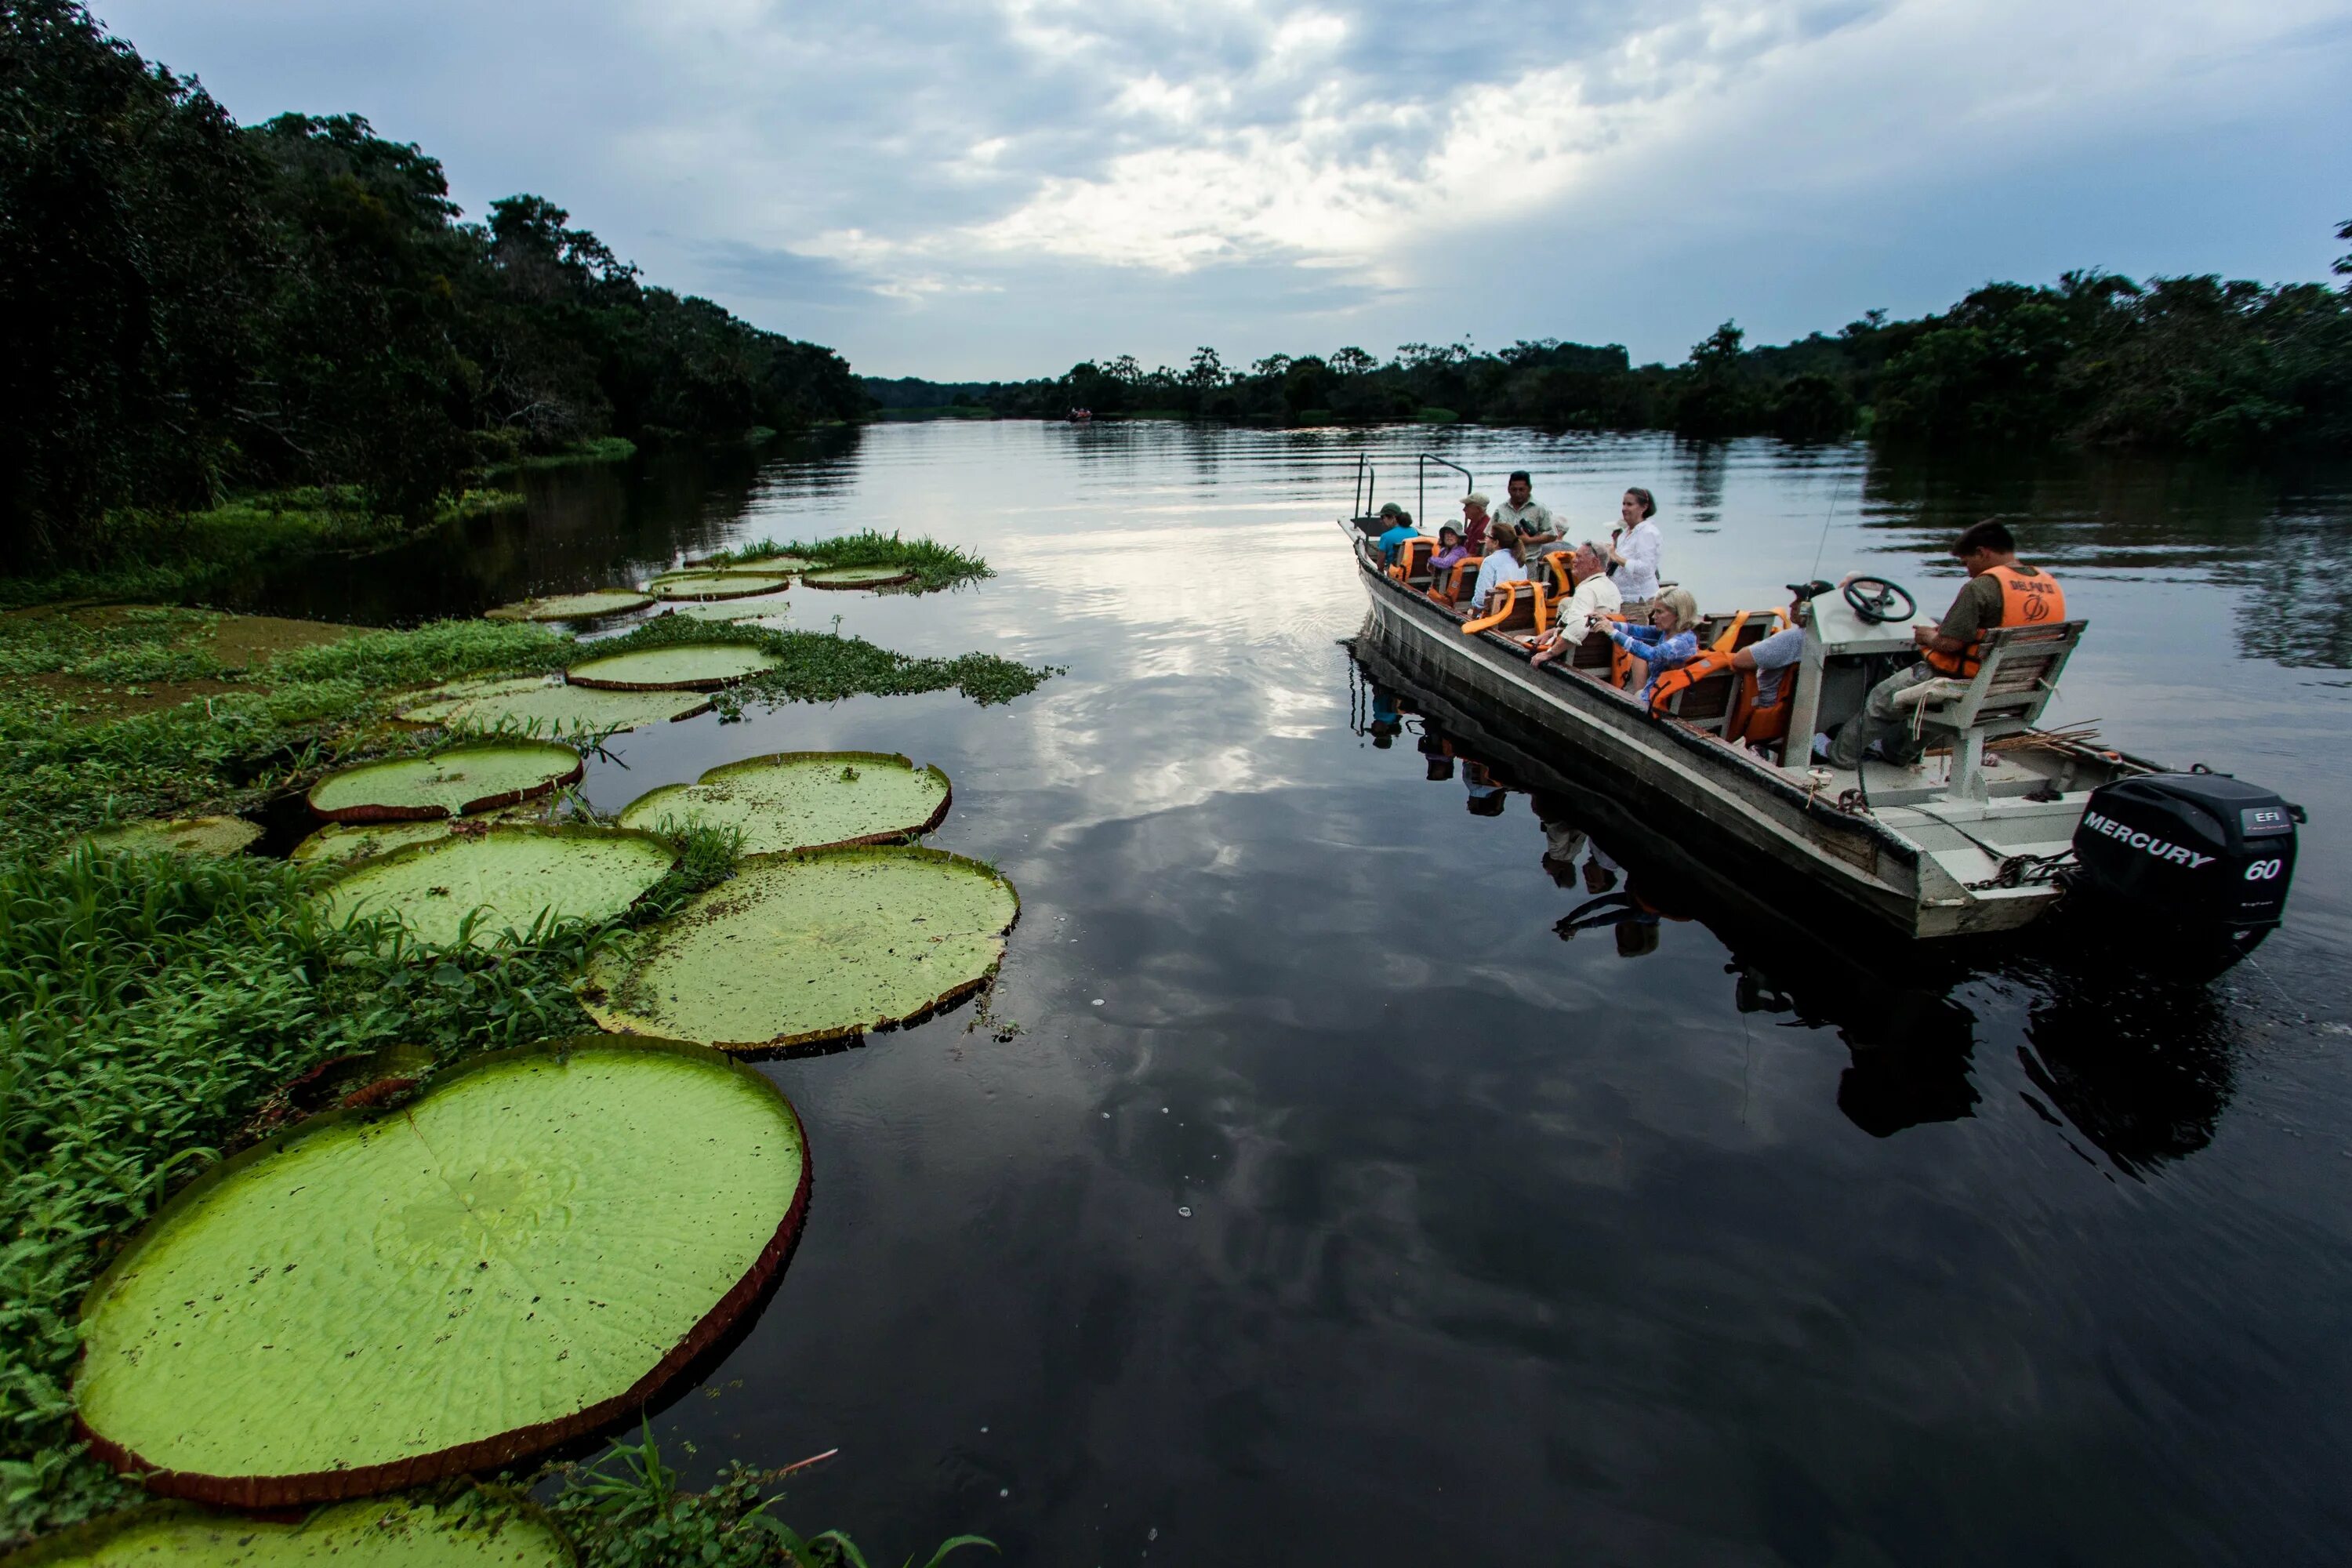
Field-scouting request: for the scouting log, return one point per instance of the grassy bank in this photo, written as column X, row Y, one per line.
column 599, row 449
column 188, row 556
column 152, row 1004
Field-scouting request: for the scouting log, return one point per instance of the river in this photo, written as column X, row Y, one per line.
column 1327, row 1207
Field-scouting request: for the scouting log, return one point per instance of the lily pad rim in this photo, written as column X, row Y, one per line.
column 519, row 610
column 812, row 578
column 846, row 1034
column 498, row 1449
column 896, row 835
column 373, row 812
column 381, row 858
column 595, row 683
column 96, row 1534
column 560, row 734
column 753, row 584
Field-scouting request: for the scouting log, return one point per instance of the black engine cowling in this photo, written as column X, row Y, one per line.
column 2193, row 851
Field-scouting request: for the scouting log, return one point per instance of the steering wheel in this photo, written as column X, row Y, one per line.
column 1870, row 598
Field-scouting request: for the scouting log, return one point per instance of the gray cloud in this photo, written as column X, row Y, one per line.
column 1002, row 188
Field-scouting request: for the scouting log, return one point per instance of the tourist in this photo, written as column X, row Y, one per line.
column 1476, row 521
column 1400, row 529
column 1999, row 593
column 1772, row 657
column 1668, row 642
column 1588, row 604
column 1451, row 550
column 1528, row 517
column 1634, row 550
column 1503, row 564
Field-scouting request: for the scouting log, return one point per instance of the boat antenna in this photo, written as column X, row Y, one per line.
column 1822, row 548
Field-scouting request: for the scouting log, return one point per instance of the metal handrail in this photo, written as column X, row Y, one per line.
column 1367, row 477
column 1421, row 490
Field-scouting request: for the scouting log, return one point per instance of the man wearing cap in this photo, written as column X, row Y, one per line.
column 1400, row 529
column 1475, row 521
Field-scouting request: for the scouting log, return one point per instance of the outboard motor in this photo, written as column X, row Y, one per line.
column 2201, row 853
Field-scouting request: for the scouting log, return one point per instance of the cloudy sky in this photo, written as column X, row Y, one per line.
column 1001, row 187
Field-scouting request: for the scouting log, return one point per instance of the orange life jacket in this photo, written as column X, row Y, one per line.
column 1683, row 677
column 2024, row 602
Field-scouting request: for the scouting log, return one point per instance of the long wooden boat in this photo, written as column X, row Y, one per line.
column 1977, row 839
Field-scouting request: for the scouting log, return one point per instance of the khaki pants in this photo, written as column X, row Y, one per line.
column 1881, row 721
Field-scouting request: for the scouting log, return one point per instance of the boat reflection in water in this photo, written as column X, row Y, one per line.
column 2135, row 1060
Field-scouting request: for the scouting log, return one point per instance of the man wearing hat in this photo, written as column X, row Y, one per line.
column 1475, row 521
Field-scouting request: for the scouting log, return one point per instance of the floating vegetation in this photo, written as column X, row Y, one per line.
column 716, row 584
column 773, row 606
column 933, row 566
column 804, row 800
column 685, row 666
column 477, row 1527
column 595, row 605
column 453, row 783
column 858, row 578
column 340, row 843
column 529, row 1250
column 802, row 949
column 724, row 563
column 178, row 835
column 475, row 886
column 548, row 705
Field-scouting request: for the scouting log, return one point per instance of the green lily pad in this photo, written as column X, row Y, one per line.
column 524, row 1253
column 687, row 667
column 728, row 584
column 504, row 878
column 802, row 949
column 858, row 578
column 483, row 1529
column 804, row 800
column 589, row 606
column 179, row 836
column 768, row 563
column 553, row 705
column 771, row 606
column 340, row 843
column 449, row 784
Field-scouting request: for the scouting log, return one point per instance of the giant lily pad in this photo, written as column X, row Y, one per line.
column 590, row 606
column 481, row 1529
column 804, row 800
column 339, row 843
column 771, row 607
column 179, row 836
column 519, row 1256
column 553, row 705
column 686, row 667
column 447, row 784
column 858, row 578
column 504, row 878
column 728, row 584
column 800, row 949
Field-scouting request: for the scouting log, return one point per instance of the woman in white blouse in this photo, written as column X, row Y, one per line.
column 1633, row 552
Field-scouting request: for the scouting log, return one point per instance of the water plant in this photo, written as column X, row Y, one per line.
column 483, row 1527
column 539, row 704
column 482, row 887
column 859, row 577
column 804, row 800
column 179, row 836
column 807, row 949
column 594, row 604
column 531, row 1246
column 448, row 782
column 931, row 566
column 679, row 666
column 733, row 584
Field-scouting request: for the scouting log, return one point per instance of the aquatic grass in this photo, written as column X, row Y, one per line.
column 627, row 1510
column 935, row 565
column 148, row 1005
column 825, row 667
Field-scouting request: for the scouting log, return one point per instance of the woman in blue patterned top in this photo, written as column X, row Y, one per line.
column 1668, row 642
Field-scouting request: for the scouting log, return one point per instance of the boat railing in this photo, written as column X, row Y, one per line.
column 1421, row 490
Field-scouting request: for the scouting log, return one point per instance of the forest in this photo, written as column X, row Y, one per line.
column 198, row 309
column 2193, row 364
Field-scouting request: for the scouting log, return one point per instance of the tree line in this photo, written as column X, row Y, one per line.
column 193, row 308
column 2191, row 363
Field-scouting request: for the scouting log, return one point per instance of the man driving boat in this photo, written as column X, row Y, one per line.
column 1999, row 593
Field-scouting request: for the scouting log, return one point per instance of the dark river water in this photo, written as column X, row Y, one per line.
column 1329, row 1207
